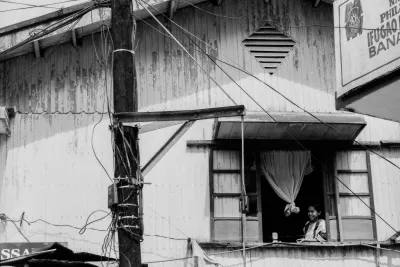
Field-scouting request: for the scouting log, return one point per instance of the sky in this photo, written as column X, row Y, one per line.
column 12, row 17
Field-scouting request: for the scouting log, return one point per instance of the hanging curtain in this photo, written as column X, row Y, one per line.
column 285, row 171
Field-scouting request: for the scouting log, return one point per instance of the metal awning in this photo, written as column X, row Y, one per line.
column 300, row 125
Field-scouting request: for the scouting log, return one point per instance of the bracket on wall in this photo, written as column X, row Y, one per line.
column 173, row 5
column 76, row 41
column 36, row 48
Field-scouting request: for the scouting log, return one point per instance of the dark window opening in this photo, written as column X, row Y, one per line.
column 289, row 229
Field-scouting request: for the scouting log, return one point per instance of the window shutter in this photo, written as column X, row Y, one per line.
column 226, row 187
column 354, row 220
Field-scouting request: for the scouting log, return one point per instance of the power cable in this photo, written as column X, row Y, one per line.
column 278, row 23
column 53, row 27
column 227, row 74
column 87, row 223
column 165, row 29
column 372, row 210
column 49, row 52
column 5, row 218
column 37, row 6
column 275, row 90
column 24, row 4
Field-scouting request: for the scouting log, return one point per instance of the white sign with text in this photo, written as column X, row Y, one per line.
column 367, row 41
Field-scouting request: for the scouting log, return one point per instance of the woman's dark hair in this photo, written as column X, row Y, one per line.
column 317, row 207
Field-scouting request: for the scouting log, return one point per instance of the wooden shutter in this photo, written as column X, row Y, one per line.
column 226, row 188
column 353, row 220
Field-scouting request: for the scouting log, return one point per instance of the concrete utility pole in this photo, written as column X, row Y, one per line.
column 123, row 31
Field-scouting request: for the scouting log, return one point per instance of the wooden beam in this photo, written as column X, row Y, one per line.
column 36, row 48
column 390, row 143
column 172, row 8
column 316, row 3
column 181, row 115
column 166, row 147
column 157, row 126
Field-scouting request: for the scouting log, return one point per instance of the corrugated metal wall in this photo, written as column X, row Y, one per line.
column 301, row 257
column 48, row 170
column 47, row 165
column 169, row 79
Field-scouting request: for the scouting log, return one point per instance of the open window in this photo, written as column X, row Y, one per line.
column 354, row 221
column 350, row 198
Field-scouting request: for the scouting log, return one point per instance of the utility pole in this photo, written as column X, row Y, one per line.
column 123, row 32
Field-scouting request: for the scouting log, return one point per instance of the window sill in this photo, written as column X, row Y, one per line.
column 238, row 245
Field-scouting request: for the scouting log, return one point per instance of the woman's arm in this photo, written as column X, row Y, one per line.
column 322, row 230
column 323, row 235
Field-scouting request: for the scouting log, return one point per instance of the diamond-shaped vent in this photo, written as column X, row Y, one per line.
column 269, row 46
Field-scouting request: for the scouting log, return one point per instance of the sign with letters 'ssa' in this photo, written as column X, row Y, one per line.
column 13, row 250
column 367, row 41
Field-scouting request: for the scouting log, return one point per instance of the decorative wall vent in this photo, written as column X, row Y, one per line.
column 269, row 46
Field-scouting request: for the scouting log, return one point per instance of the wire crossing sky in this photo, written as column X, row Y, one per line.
column 25, row 12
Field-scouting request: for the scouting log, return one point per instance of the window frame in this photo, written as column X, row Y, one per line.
column 213, row 194
column 337, row 196
column 329, row 175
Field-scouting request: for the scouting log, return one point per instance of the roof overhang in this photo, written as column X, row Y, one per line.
column 302, row 126
column 86, row 26
column 379, row 98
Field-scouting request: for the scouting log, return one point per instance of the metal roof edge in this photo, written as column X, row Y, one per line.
column 44, row 18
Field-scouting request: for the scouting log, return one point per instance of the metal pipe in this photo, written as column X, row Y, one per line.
column 244, row 198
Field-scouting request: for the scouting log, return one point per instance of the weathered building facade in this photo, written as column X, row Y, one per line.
column 48, row 169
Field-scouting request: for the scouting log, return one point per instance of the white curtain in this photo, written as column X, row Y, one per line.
column 285, row 171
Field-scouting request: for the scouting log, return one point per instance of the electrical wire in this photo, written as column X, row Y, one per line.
column 275, row 90
column 190, row 55
column 263, row 245
column 227, row 74
column 167, row 237
column 37, row 6
column 63, row 22
column 51, row 28
column 5, row 218
column 278, row 23
column 87, row 223
column 61, row 113
column 387, row 249
column 24, row 4
column 246, row 72
column 105, row 101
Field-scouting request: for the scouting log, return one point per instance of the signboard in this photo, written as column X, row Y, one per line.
column 367, row 41
column 13, row 250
